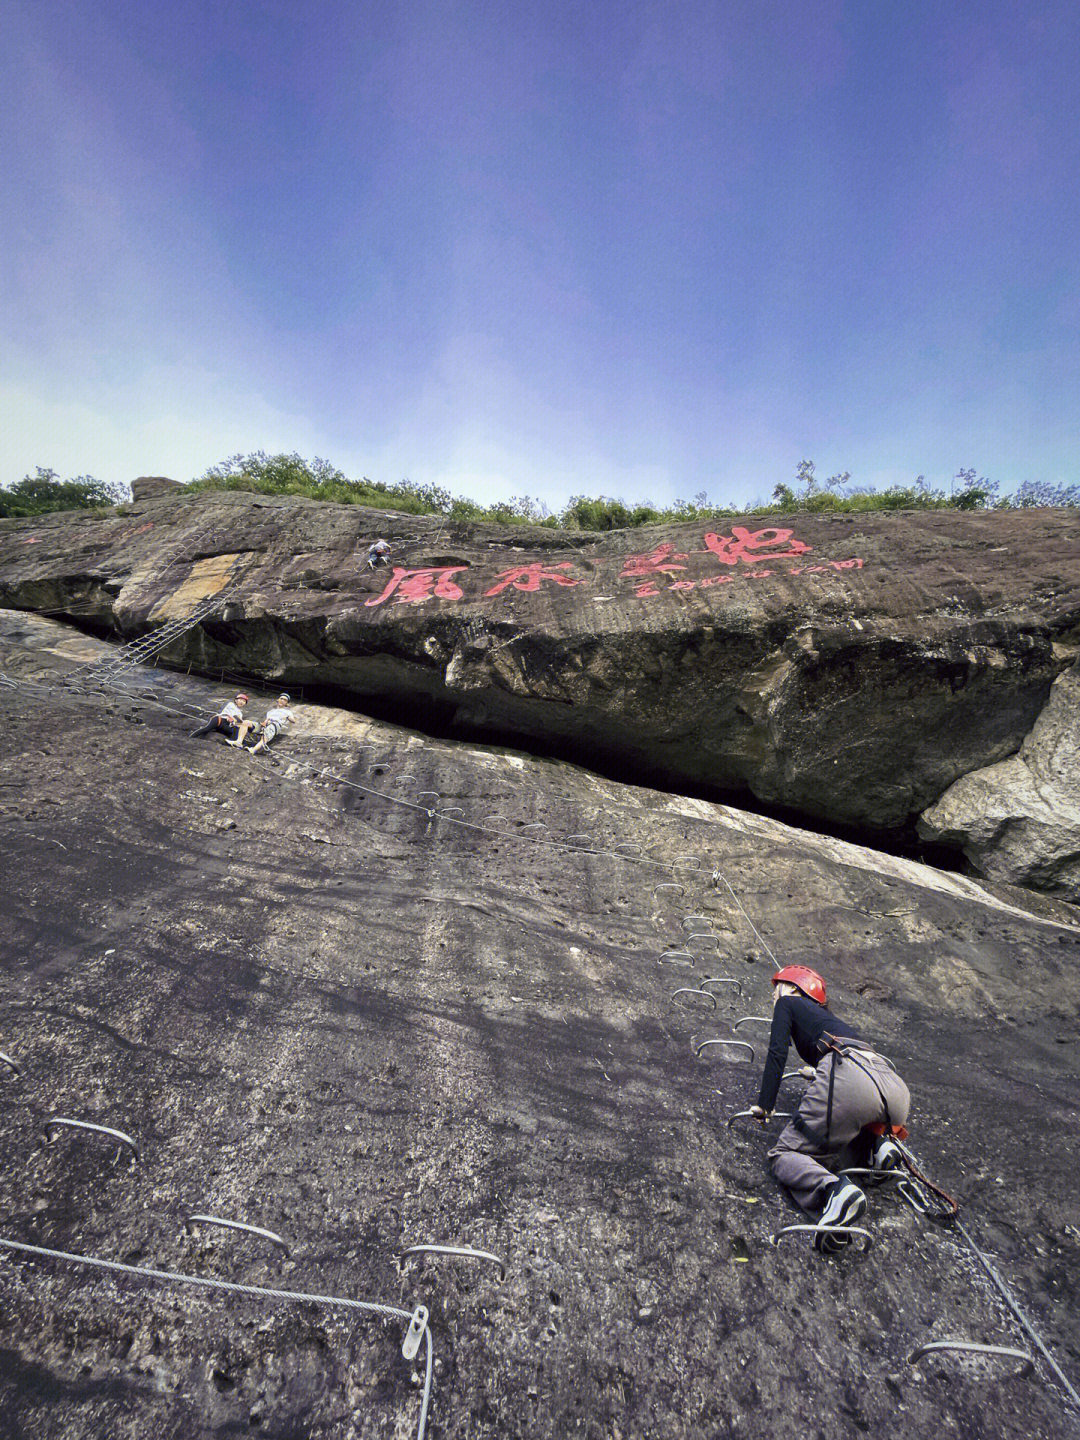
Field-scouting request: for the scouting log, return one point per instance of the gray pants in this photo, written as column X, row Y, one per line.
column 806, row 1166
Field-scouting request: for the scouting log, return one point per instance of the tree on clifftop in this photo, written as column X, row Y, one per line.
column 44, row 492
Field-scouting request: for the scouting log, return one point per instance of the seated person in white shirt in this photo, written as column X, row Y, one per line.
column 277, row 719
column 228, row 719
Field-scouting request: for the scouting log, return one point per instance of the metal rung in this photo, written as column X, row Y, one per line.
column 691, row 920
column 749, row 1114
column 670, row 885
column 851, row 1230
column 722, row 980
column 704, row 935
column 864, row 1173
column 733, row 1044
column 589, row 839
column 752, row 1020
column 627, row 845
column 452, row 810
column 465, row 1251
column 677, row 957
column 534, row 825
column 1027, row 1362
column 238, row 1225
column 687, row 990
column 97, row 1130
column 12, row 1064
column 685, row 859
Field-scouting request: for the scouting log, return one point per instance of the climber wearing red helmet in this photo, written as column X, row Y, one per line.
column 852, row 1089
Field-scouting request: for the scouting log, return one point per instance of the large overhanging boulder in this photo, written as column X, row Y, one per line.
column 1019, row 820
column 846, row 668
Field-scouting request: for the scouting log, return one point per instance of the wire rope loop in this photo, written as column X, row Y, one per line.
column 10, row 1063
column 731, row 1044
column 272, row 1236
column 749, row 1115
column 937, row 1347
column 65, row 1122
column 850, row 1230
column 688, row 990
column 752, row 1020
column 465, row 1252
column 722, row 980
column 677, row 957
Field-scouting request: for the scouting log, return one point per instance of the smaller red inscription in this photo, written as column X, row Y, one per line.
column 412, row 586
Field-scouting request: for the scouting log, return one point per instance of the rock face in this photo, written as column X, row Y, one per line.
column 373, row 997
column 846, row 668
column 1019, row 820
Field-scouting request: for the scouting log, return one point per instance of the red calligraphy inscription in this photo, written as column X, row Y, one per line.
column 412, row 586
column 753, row 546
column 660, row 562
column 529, row 577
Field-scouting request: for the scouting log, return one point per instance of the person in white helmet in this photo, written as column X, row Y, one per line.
column 227, row 721
column 278, row 718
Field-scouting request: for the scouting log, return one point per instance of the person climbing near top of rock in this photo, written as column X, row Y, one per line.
column 848, row 1114
column 377, row 553
column 227, row 720
column 277, row 719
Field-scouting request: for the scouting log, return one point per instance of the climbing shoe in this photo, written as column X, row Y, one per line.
column 886, row 1155
column 828, row 1242
column 844, row 1202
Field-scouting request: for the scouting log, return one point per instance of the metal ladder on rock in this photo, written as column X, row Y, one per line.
column 147, row 647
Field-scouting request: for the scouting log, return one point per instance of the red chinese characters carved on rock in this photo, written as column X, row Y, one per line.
column 753, row 546
column 412, row 586
column 529, row 577
column 660, row 562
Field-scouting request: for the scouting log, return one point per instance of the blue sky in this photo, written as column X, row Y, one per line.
column 641, row 249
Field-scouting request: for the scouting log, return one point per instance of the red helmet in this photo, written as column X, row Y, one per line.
column 803, row 978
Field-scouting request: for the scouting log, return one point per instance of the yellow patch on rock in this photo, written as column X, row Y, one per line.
column 205, row 578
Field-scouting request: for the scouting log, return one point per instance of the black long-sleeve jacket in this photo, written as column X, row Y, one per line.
column 801, row 1022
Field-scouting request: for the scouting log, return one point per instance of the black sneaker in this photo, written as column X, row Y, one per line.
column 831, row 1242
column 886, row 1155
column 844, row 1203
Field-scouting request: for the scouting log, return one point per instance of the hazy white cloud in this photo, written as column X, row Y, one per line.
column 170, row 420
